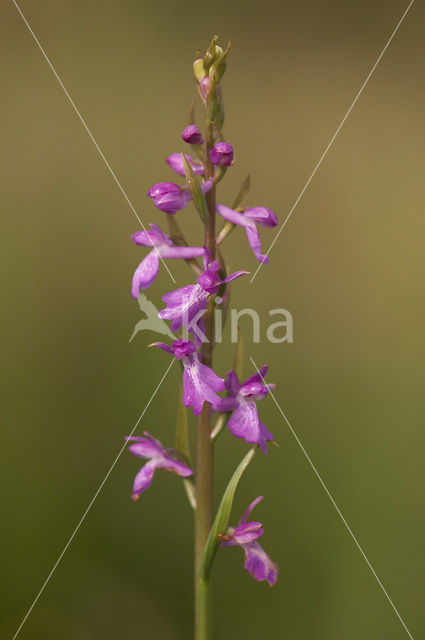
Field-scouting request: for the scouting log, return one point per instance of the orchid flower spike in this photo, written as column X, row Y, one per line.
column 185, row 305
column 159, row 458
column 249, row 220
column 245, row 535
column 200, row 383
column 162, row 247
column 244, row 421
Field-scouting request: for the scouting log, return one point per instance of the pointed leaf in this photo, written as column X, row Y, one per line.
column 192, row 119
column 179, row 239
column 243, row 193
column 223, row 514
column 196, row 191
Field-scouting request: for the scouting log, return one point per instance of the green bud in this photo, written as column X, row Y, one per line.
column 218, row 54
column 198, row 69
column 211, row 54
column 240, row 199
column 219, row 65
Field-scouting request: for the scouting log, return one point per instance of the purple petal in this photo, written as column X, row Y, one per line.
column 259, row 565
column 160, row 188
column 168, row 197
column 175, row 466
column 255, row 243
column 244, row 423
column 143, row 479
column 151, row 238
column 145, row 273
column 207, row 257
column 232, row 383
column 259, row 376
column 263, row 216
column 145, row 447
column 176, row 297
column 200, row 384
column 175, row 162
column 247, row 532
column 182, row 348
column 145, row 238
column 250, row 508
column 206, row 186
column 233, row 216
column 253, row 389
column 192, row 135
column 226, row 404
column 170, row 203
column 205, row 87
column 221, row 154
column 183, row 305
column 181, row 252
column 163, row 346
column 235, row 275
column 265, row 435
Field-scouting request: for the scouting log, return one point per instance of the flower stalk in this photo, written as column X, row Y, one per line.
column 204, row 447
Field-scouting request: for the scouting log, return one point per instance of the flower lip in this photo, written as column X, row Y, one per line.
column 192, row 135
column 221, row 154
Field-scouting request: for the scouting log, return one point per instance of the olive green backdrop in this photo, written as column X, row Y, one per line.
column 349, row 265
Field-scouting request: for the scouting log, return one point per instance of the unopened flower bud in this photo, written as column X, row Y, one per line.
column 168, row 197
column 205, row 87
column 222, row 154
column 198, row 69
column 218, row 53
column 192, row 135
column 218, row 67
column 212, row 53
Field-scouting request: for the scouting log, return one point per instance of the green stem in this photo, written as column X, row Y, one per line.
column 204, row 444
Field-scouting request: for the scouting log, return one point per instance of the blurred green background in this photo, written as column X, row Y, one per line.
column 349, row 266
